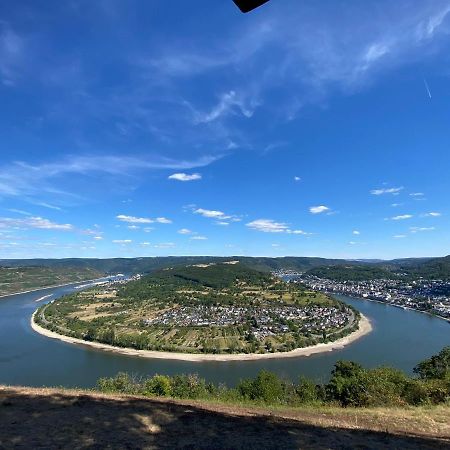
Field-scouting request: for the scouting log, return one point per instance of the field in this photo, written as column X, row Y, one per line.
column 207, row 308
column 20, row 279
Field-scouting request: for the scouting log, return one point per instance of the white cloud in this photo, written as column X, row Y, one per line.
column 297, row 179
column 145, row 244
column 419, row 229
column 162, row 220
column 98, row 238
column 185, row 177
column 122, row 241
column 402, row 217
column 219, row 216
column 35, row 222
column 393, row 191
column 298, row 232
column 198, row 238
column 268, row 226
column 318, row 209
column 399, row 236
column 142, row 220
column 356, row 232
column 184, row 231
column 433, row 214
column 417, row 194
column 133, row 219
column 133, row 227
column 229, row 103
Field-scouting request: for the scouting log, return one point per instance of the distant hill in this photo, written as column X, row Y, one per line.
column 352, row 273
column 433, row 268
column 19, row 279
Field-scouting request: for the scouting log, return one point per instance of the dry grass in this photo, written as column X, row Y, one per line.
column 50, row 418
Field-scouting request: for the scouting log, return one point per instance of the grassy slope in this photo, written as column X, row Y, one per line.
column 83, row 419
column 19, row 279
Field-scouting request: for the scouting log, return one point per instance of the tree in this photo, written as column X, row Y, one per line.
column 438, row 366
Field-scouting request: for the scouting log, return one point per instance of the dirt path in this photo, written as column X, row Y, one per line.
column 48, row 418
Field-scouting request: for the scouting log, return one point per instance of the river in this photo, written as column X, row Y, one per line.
column 400, row 338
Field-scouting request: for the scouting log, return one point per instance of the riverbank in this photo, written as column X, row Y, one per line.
column 365, row 327
column 406, row 308
column 43, row 288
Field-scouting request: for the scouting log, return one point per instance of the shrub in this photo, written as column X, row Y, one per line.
column 266, row 387
column 122, row 382
column 188, row 386
column 160, row 385
column 307, row 391
column 438, row 366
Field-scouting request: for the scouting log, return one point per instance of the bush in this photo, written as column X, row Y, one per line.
column 266, row 387
column 159, row 385
column 307, row 391
column 188, row 386
column 122, row 382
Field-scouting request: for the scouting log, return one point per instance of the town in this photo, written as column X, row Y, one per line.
column 264, row 321
column 430, row 296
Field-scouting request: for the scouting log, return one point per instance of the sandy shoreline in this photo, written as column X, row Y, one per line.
column 365, row 327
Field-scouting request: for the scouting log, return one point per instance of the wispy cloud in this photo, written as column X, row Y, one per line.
column 402, row 217
column 419, row 229
column 198, row 238
column 122, row 241
column 184, row 231
column 142, row 220
column 32, row 182
column 356, row 232
column 133, row 219
column 185, row 177
column 382, row 191
column 217, row 215
column 34, row 222
column 268, row 226
column 271, row 226
column 433, row 214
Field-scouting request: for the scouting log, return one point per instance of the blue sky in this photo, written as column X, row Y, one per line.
column 304, row 128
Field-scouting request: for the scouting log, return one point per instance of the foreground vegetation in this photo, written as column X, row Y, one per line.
column 206, row 308
column 350, row 385
column 20, row 279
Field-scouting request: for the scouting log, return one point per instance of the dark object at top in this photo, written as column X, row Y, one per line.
column 248, row 5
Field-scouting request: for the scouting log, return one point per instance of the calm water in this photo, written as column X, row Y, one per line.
column 400, row 338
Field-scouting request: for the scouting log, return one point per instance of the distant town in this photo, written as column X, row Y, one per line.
column 430, row 296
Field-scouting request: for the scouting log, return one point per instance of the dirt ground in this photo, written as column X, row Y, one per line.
column 55, row 419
